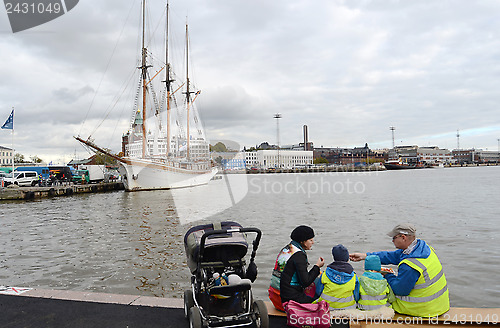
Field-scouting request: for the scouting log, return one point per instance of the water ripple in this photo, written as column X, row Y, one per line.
column 132, row 243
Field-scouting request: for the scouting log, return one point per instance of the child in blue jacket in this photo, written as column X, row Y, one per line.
column 338, row 285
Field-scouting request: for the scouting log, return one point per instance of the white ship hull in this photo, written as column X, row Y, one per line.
column 148, row 175
column 162, row 155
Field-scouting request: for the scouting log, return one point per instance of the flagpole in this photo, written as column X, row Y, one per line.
column 9, row 124
column 12, row 144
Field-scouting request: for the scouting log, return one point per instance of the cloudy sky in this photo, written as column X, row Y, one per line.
column 348, row 69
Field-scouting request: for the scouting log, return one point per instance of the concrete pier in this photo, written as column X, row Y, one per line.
column 38, row 308
column 20, row 193
column 34, row 308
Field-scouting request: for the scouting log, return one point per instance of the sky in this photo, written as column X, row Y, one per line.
column 347, row 69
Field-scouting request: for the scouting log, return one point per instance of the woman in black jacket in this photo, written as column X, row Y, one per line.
column 290, row 275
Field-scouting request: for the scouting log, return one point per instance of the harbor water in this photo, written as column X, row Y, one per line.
column 132, row 243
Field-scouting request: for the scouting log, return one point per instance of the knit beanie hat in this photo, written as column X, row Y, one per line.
column 340, row 253
column 302, row 233
column 372, row 262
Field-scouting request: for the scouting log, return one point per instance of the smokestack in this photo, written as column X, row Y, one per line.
column 306, row 137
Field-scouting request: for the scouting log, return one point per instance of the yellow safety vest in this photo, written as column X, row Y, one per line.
column 430, row 296
column 368, row 302
column 339, row 297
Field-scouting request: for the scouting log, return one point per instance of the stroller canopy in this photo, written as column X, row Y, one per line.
column 222, row 247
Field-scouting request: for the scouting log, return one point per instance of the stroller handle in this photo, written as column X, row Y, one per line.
column 225, row 231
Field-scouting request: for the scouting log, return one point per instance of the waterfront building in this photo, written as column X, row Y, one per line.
column 425, row 155
column 274, row 158
column 463, row 156
column 434, row 155
column 347, row 156
column 5, row 156
column 300, row 146
column 252, row 159
column 332, row 155
column 382, row 152
column 487, row 156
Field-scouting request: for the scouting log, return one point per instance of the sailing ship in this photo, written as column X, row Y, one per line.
column 174, row 155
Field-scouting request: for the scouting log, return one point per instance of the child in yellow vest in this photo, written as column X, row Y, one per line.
column 374, row 291
column 338, row 285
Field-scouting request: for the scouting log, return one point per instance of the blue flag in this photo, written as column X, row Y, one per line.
column 9, row 124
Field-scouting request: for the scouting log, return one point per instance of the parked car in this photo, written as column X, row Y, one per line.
column 25, row 178
column 41, row 170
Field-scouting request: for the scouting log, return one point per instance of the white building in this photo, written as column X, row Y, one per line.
column 432, row 155
column 487, row 156
column 5, row 156
column 285, row 159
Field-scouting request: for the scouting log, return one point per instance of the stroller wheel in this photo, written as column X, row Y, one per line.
column 188, row 302
column 261, row 315
column 195, row 318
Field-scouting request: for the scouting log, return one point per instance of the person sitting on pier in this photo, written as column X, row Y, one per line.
column 374, row 291
column 420, row 286
column 290, row 277
column 338, row 285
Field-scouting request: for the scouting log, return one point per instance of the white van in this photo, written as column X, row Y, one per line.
column 23, row 178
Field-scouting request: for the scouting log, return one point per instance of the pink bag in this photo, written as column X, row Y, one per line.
column 307, row 315
column 310, row 290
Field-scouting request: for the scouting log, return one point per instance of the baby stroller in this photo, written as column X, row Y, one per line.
column 214, row 251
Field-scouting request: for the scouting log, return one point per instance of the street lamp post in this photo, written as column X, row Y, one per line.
column 392, row 128
column 277, row 116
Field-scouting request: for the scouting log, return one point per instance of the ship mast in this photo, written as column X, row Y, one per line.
column 188, row 93
column 168, row 82
column 144, row 70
